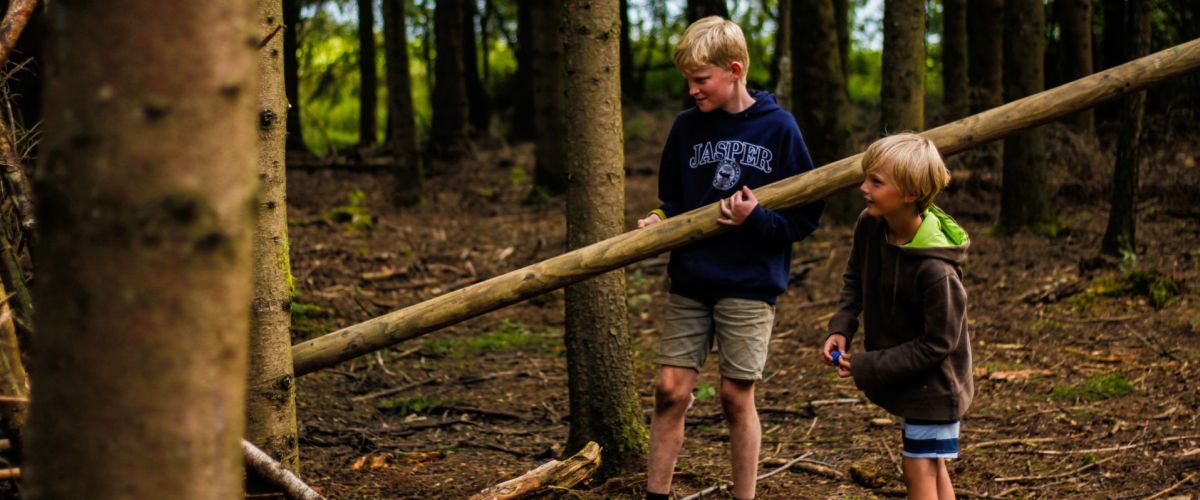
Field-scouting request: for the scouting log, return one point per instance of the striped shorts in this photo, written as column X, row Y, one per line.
column 930, row 439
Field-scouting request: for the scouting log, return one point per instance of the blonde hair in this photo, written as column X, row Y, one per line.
column 712, row 41
column 915, row 163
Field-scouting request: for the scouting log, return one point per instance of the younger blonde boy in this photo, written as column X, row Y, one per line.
column 905, row 277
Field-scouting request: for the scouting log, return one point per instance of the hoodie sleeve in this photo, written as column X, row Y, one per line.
column 670, row 183
column 845, row 320
column 945, row 309
column 789, row 225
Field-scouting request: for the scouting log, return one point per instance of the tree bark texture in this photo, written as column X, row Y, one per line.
column 557, row 272
column 448, row 132
column 478, row 108
column 821, row 104
column 1024, row 199
column 13, row 382
column 17, row 183
column 841, row 18
column 19, row 12
column 1075, row 35
column 270, row 387
column 697, row 9
column 1120, row 237
column 629, row 87
column 1114, row 37
column 368, row 81
column 523, row 115
column 985, row 43
column 603, row 399
column 781, row 62
column 291, row 73
column 955, row 98
column 549, row 98
column 902, row 98
column 147, row 194
column 403, row 127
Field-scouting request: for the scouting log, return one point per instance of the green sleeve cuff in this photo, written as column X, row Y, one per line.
column 658, row 211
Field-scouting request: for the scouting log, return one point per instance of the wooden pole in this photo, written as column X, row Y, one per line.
column 701, row 223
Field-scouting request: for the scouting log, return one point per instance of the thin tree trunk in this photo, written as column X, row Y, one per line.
column 554, row 273
column 841, row 18
column 902, row 98
column 629, row 87
column 270, row 387
column 1120, row 238
column 448, row 133
column 291, row 74
column 1024, row 201
column 478, row 107
column 603, row 399
column 1113, row 51
column 1075, row 28
column 549, row 95
column 13, row 382
column 985, row 42
column 956, row 102
column 147, row 191
column 19, row 12
column 523, row 113
column 781, row 62
column 403, row 129
column 368, row 82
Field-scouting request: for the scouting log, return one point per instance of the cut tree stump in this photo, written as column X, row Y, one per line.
column 561, row 474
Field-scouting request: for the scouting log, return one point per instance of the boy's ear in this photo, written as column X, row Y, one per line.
column 737, row 68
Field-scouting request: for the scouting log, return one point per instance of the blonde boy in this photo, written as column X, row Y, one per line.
column 905, row 277
column 723, row 289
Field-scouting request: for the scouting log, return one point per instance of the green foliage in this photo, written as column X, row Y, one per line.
column 418, row 404
column 509, row 335
column 1095, row 389
column 1158, row 289
column 705, row 392
column 310, row 320
column 866, row 77
column 358, row 217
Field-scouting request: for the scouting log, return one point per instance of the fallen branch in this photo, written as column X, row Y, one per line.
column 561, row 474
column 13, row 473
column 1171, row 488
column 1115, row 448
column 777, row 470
column 1069, row 473
column 273, row 472
column 810, row 466
column 394, row 390
column 999, row 442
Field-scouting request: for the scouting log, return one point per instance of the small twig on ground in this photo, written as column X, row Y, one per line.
column 1069, row 473
column 818, row 303
column 1173, row 487
column 811, row 426
column 13, row 473
column 14, row 400
column 1113, row 319
column 777, row 470
column 394, row 390
column 1153, row 345
column 999, row 442
column 382, row 364
column 486, row 412
column 827, row 402
column 891, row 456
column 274, row 472
column 1114, row 448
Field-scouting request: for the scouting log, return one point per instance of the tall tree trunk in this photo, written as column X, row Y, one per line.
column 401, row 124
column 956, row 102
column 1114, row 37
column 629, row 86
column 291, row 74
column 270, row 389
column 549, row 99
column 368, row 82
column 147, row 193
column 478, row 107
column 697, row 9
column 985, row 42
column 448, row 133
column 841, row 16
column 1120, row 236
column 781, row 63
column 820, row 100
column 523, row 114
column 1075, row 28
column 1024, row 202
column 604, row 403
column 13, row 382
column 902, row 98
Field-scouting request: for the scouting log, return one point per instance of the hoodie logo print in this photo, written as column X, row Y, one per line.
column 727, row 175
column 730, row 157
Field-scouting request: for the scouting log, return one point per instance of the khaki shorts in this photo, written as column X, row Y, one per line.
column 740, row 327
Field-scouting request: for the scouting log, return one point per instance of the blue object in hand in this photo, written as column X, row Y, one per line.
column 835, row 355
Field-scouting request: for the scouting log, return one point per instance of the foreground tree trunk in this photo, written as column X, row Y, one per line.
column 291, row 74
column 402, row 126
column 1024, row 201
column 1075, row 28
column 368, row 82
column 270, row 389
column 604, row 403
column 902, row 98
column 146, row 200
column 985, row 43
column 448, row 132
column 549, row 99
column 1120, row 238
column 956, row 102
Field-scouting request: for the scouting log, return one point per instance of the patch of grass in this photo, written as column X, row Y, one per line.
column 420, row 405
column 310, row 320
column 509, row 335
column 636, row 128
column 637, row 301
column 1158, row 289
column 517, row 176
column 358, row 218
column 638, row 279
column 546, row 298
column 1095, row 389
column 704, row 392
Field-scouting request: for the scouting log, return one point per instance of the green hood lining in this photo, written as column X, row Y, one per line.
column 938, row 230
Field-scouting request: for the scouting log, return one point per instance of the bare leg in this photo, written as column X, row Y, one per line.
column 745, row 433
column 672, row 394
column 944, row 488
column 921, row 475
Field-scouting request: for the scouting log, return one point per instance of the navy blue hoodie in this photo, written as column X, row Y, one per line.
column 709, row 156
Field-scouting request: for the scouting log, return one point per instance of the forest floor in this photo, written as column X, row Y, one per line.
column 1086, row 369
